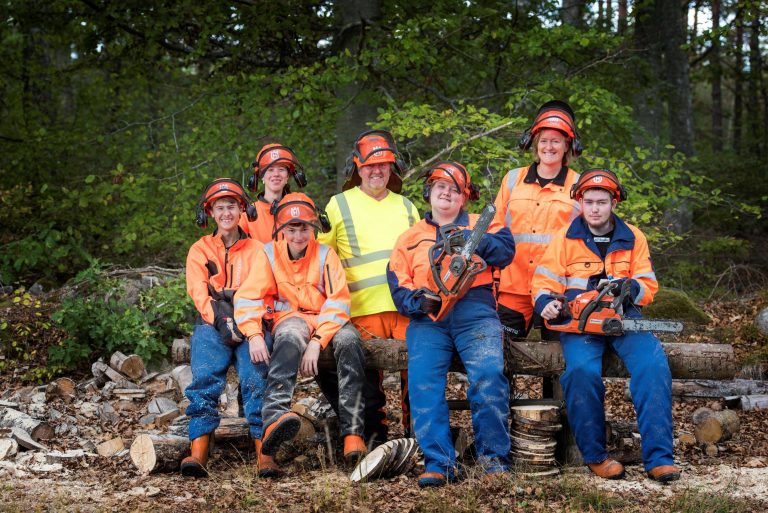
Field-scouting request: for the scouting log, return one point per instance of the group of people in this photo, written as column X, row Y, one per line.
column 280, row 281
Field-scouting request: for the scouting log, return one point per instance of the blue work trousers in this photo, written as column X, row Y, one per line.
column 210, row 359
column 650, row 385
column 472, row 329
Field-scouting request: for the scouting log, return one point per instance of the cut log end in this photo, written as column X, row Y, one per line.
column 143, row 454
column 711, row 427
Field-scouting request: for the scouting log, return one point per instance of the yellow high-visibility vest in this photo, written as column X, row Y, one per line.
column 363, row 233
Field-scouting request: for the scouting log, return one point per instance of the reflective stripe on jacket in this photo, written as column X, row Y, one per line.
column 313, row 287
column 409, row 268
column 214, row 272
column 363, row 232
column 533, row 214
column 572, row 263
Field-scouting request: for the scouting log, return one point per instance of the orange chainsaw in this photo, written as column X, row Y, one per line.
column 601, row 311
column 454, row 263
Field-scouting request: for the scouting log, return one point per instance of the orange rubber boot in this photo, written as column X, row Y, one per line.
column 266, row 465
column 194, row 464
column 608, row 469
column 354, row 448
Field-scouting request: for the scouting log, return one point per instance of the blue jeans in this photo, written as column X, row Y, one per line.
column 210, row 359
column 472, row 329
column 651, row 388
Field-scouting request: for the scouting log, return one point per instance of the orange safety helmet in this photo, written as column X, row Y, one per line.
column 599, row 179
column 271, row 154
column 557, row 115
column 297, row 207
column 453, row 171
column 223, row 188
column 374, row 147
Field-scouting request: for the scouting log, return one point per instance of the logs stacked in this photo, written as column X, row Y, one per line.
column 534, row 427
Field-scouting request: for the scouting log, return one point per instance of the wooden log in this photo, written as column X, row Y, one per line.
column 182, row 375
column 8, row 448
column 714, row 389
column 158, row 453
column 110, row 447
column 36, row 429
column 180, row 351
column 692, row 361
column 103, row 371
column 711, row 427
column 129, row 365
column 63, row 388
column 753, row 402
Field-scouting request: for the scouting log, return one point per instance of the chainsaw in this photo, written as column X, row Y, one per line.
column 601, row 312
column 454, row 264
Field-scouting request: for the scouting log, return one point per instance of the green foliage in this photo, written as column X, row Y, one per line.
column 675, row 304
column 98, row 321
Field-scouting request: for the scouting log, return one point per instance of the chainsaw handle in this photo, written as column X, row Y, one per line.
column 565, row 311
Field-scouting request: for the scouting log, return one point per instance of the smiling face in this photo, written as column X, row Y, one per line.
column 275, row 178
column 596, row 207
column 226, row 212
column 446, row 199
column 551, row 146
column 297, row 235
column 374, row 178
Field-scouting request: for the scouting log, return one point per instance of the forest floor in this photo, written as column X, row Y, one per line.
column 736, row 480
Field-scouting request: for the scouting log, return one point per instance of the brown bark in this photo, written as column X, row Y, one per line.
column 711, row 427
column 609, row 15
column 713, row 361
column 158, row 453
column 622, row 15
column 716, row 70
column 130, row 365
column 754, row 81
column 647, row 100
column 738, row 81
column 180, row 351
column 64, row 388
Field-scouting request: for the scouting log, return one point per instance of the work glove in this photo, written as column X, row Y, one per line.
column 224, row 323
column 430, row 303
column 617, row 285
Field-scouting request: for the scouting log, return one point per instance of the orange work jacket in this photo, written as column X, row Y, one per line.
column 261, row 228
column 409, row 269
column 572, row 264
column 215, row 272
column 313, row 287
column 533, row 214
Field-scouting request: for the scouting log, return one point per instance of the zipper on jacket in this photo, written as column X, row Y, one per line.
column 227, row 275
column 328, row 273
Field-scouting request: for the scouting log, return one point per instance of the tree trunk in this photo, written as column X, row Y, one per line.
column 158, row 453
column 717, row 93
column 695, row 28
column 609, row 15
column 754, row 79
column 647, row 100
column 600, row 15
column 572, row 12
column 738, row 81
column 622, row 15
column 357, row 106
column 708, row 361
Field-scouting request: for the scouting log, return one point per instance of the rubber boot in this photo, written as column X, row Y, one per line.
column 608, row 469
column 266, row 465
column 282, row 430
column 194, row 464
column 354, row 448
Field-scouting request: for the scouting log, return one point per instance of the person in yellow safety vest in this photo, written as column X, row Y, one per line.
column 302, row 287
column 366, row 219
column 274, row 165
column 534, row 202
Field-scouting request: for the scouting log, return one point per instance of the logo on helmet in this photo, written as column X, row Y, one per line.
column 223, row 187
column 597, row 179
column 295, row 212
column 274, row 154
column 376, row 151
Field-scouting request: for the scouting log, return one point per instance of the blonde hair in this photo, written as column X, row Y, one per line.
column 567, row 157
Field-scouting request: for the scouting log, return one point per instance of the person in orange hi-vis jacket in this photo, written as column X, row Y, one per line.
column 598, row 246
column 217, row 265
column 274, row 165
column 534, row 203
column 470, row 329
column 304, row 289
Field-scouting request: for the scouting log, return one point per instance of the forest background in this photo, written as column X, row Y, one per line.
column 114, row 115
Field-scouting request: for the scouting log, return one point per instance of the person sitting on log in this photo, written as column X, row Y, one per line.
column 217, row 265
column 471, row 328
column 597, row 246
column 304, row 288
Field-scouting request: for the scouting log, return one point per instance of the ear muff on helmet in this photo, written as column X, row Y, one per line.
column 557, row 115
column 373, row 147
column 272, row 154
column 599, row 179
column 222, row 188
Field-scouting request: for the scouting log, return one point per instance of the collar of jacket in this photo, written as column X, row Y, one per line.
column 623, row 238
column 241, row 236
column 308, row 252
column 533, row 174
column 462, row 219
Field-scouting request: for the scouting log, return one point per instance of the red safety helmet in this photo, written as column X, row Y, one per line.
column 223, row 188
column 599, row 179
column 297, row 207
column 557, row 115
column 374, row 147
column 453, row 171
column 270, row 155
